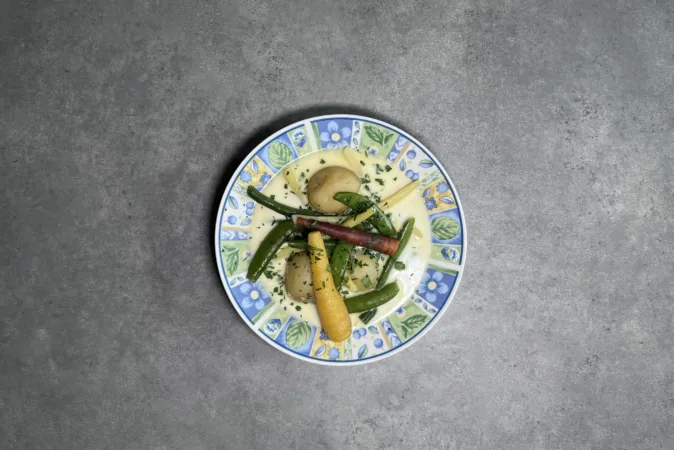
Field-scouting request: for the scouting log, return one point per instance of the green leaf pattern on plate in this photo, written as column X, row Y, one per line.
column 230, row 257
column 279, row 154
column 377, row 135
column 445, row 228
column 412, row 323
column 297, row 334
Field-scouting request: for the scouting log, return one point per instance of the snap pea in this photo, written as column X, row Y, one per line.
column 359, row 203
column 371, row 300
column 339, row 261
column 368, row 315
column 269, row 246
column 280, row 207
column 302, row 244
column 403, row 237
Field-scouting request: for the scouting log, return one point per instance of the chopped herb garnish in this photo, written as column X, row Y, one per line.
column 399, row 265
column 322, row 161
column 379, row 180
column 387, row 168
column 366, row 282
column 362, row 163
column 298, row 308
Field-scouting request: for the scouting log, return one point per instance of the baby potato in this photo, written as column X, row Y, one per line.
column 325, row 183
column 364, row 270
column 298, row 277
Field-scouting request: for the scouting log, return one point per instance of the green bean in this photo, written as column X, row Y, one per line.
column 368, row 315
column 403, row 237
column 269, row 246
column 280, row 207
column 359, row 203
column 370, row 300
column 339, row 261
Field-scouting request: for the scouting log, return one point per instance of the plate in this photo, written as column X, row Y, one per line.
column 417, row 314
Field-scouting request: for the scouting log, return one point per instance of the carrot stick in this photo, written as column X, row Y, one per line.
column 376, row 242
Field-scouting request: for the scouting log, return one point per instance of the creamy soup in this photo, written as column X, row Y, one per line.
column 380, row 181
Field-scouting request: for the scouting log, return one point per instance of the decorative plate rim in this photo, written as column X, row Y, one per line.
column 402, row 346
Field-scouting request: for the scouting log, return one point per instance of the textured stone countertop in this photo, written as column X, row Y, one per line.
column 120, row 120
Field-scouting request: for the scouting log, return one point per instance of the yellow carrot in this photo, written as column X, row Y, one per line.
column 329, row 303
column 384, row 205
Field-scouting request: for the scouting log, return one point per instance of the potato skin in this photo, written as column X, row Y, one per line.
column 298, row 277
column 325, row 183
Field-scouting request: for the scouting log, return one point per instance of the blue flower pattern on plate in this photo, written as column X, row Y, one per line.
column 435, row 286
column 246, row 177
column 431, row 204
column 335, row 137
column 254, row 296
column 264, row 179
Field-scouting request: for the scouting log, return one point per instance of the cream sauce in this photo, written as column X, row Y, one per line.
column 415, row 255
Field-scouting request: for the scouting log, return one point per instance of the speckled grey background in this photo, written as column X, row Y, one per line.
column 120, row 120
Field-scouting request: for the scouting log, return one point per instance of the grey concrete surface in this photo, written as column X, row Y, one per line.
column 120, row 120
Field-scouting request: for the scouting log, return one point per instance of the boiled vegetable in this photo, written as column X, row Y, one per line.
column 324, row 184
column 370, row 300
column 298, row 277
column 339, row 260
column 359, row 203
column 368, row 315
column 280, row 207
column 404, row 237
column 269, row 246
column 292, row 176
column 331, row 308
column 376, row 242
column 384, row 205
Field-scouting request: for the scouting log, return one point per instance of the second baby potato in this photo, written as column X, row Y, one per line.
column 298, row 277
